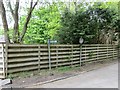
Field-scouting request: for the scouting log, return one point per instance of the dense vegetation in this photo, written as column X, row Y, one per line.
column 66, row 23
column 96, row 24
column 43, row 24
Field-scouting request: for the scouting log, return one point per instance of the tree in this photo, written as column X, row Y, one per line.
column 43, row 24
column 4, row 20
column 92, row 24
column 17, row 36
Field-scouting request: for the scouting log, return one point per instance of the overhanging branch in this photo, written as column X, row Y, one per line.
column 28, row 19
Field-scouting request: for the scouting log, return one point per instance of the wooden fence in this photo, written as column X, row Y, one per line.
column 35, row 57
column 118, row 52
column 2, row 62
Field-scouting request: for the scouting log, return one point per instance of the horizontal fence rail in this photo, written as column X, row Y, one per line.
column 35, row 57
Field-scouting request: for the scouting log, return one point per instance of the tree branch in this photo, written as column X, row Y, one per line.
column 28, row 19
column 16, row 7
column 16, row 25
column 11, row 10
column 31, row 4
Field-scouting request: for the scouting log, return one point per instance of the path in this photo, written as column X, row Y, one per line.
column 106, row 77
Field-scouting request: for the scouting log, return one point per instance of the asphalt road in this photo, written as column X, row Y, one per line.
column 106, row 77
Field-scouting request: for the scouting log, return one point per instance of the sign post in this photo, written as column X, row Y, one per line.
column 81, row 42
column 49, row 56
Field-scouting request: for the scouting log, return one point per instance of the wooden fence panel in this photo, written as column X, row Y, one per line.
column 35, row 57
column 22, row 58
column 2, row 62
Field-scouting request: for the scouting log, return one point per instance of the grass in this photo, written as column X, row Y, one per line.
column 20, row 75
column 67, row 68
column 43, row 72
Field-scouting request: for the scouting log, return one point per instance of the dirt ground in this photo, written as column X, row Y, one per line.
column 21, row 82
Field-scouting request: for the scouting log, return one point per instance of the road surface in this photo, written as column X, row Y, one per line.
column 106, row 77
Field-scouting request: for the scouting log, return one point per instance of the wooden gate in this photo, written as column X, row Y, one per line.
column 2, row 62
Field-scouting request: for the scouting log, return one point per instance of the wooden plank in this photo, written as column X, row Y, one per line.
column 15, row 70
column 60, row 53
column 89, row 48
column 97, row 44
column 44, row 62
column 1, row 72
column 64, row 45
column 60, row 49
column 1, row 66
column 98, row 56
column 105, row 57
column 22, row 54
column 76, row 58
column 16, row 60
column 22, row 50
column 63, row 60
column 2, row 77
column 22, row 64
column 63, row 64
column 44, row 66
column 21, row 45
column 95, row 50
column 96, row 53
column 54, row 57
column 66, row 56
column 44, row 53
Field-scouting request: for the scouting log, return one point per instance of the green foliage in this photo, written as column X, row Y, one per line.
column 43, row 24
column 87, row 23
column 86, row 20
column 91, row 54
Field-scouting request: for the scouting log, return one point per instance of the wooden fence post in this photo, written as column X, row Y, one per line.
column 39, row 56
column 49, row 54
column 56, row 56
column 6, row 59
column 71, row 55
column 113, row 51
column 118, row 52
column 107, row 51
column 80, row 55
column 3, row 58
column 85, row 54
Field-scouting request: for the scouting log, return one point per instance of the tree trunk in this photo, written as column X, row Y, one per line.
column 4, row 21
column 16, row 25
column 16, row 20
column 16, row 36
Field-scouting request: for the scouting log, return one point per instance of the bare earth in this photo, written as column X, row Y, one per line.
column 105, row 71
column 106, row 77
